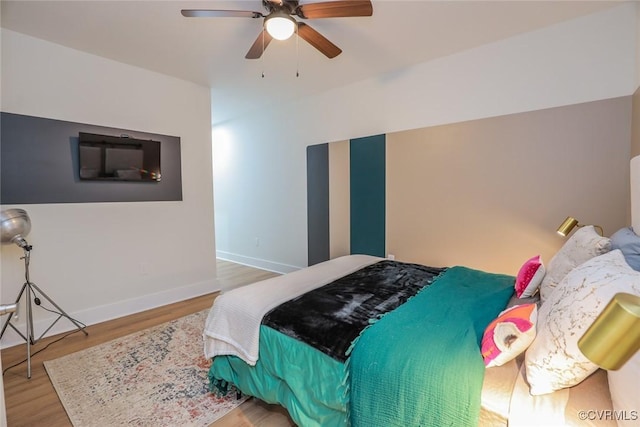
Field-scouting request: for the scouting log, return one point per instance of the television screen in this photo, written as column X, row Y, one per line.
column 118, row 158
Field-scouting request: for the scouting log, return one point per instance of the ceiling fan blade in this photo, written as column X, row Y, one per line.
column 335, row 9
column 318, row 41
column 209, row 13
column 259, row 46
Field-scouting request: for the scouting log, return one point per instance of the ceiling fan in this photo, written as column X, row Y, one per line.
column 279, row 22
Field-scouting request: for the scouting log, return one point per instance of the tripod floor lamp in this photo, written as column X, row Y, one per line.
column 15, row 225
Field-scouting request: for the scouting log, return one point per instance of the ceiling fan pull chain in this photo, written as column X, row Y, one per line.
column 262, row 56
column 297, row 53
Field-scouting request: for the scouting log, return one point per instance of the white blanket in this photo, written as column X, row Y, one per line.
column 233, row 324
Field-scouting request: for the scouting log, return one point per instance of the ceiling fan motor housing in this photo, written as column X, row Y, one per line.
column 287, row 6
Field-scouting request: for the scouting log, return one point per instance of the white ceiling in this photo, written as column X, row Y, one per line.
column 152, row 34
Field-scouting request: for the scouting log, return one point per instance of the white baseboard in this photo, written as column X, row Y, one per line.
column 257, row 263
column 94, row 315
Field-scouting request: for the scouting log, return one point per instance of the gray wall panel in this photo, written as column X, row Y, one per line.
column 318, row 203
column 39, row 164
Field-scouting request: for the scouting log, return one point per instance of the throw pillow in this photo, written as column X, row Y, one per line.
column 554, row 361
column 629, row 243
column 529, row 277
column 583, row 245
column 509, row 334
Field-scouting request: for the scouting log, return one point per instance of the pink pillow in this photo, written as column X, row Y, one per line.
column 529, row 277
column 509, row 334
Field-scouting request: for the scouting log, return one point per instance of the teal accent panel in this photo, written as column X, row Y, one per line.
column 367, row 175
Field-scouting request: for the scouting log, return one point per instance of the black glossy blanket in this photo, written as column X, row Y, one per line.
column 331, row 317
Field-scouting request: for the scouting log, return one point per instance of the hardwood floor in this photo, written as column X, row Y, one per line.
column 34, row 402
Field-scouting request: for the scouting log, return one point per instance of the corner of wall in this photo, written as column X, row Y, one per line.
column 637, row 4
column 635, row 193
column 635, row 124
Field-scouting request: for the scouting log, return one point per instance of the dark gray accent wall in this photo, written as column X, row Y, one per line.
column 318, row 203
column 39, row 164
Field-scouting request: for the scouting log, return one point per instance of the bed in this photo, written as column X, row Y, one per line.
column 364, row 341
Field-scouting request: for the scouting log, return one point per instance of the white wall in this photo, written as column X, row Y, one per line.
column 105, row 260
column 262, row 157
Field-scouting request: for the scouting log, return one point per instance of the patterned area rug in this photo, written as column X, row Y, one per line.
column 155, row 377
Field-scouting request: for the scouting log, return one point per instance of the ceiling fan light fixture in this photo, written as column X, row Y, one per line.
column 280, row 26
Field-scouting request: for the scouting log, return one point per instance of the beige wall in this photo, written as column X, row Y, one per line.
column 635, row 127
column 508, row 182
column 339, row 205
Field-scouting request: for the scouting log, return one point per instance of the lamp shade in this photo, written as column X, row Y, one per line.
column 615, row 334
column 567, row 225
column 280, row 26
column 15, row 225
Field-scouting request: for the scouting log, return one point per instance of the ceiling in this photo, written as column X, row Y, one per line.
column 152, row 34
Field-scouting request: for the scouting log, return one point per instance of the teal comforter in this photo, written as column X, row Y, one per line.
column 419, row 365
column 310, row 384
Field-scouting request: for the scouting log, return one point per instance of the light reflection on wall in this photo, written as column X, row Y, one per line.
column 221, row 140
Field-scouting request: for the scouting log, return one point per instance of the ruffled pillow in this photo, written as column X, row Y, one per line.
column 583, row 245
column 529, row 277
column 509, row 334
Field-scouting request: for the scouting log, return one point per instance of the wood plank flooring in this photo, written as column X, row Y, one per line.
column 34, row 402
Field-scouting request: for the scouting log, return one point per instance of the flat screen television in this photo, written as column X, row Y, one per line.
column 118, row 158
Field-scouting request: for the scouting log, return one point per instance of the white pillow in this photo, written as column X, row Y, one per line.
column 554, row 361
column 623, row 385
column 583, row 245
